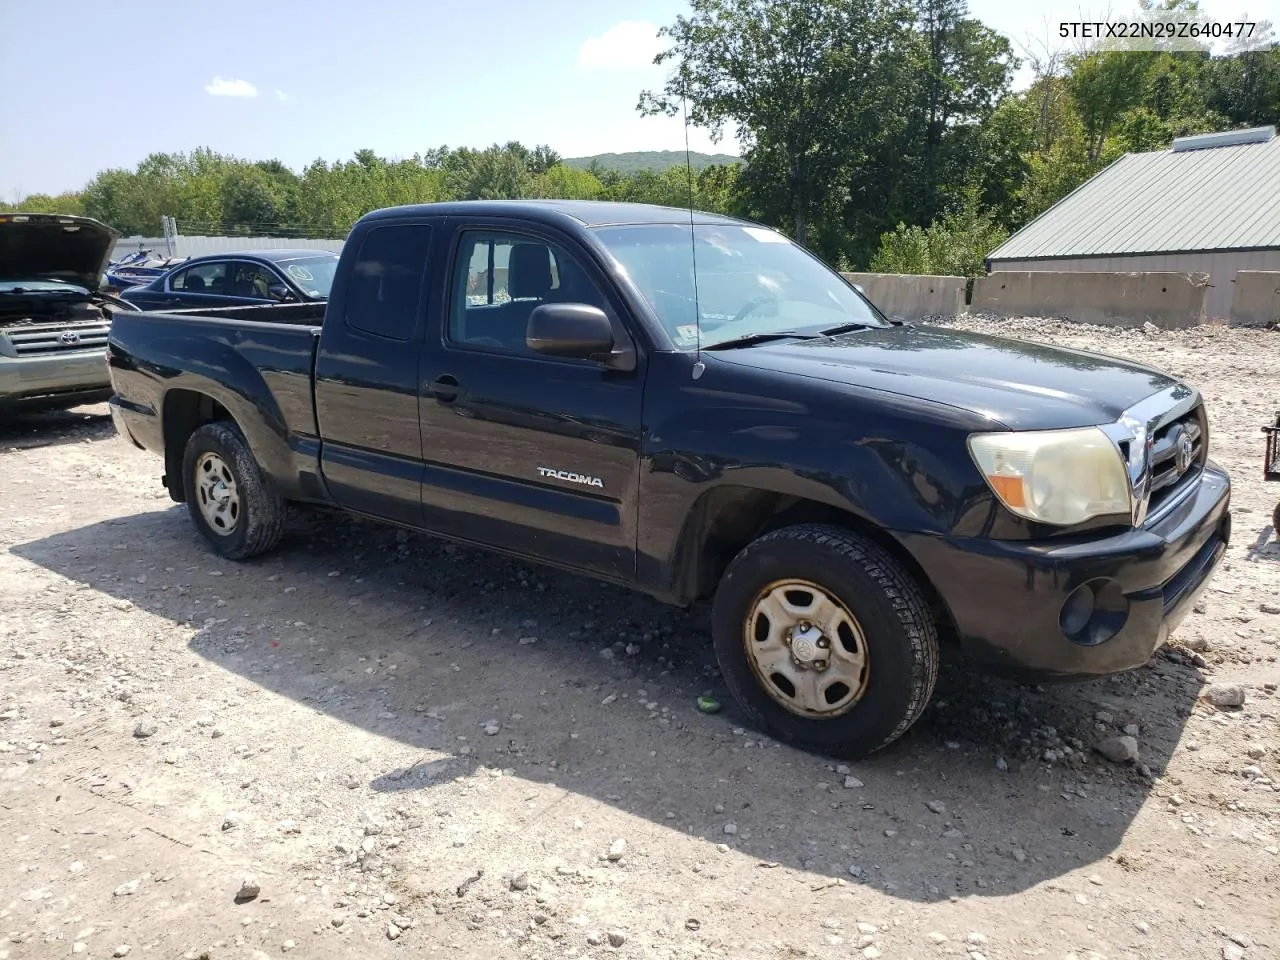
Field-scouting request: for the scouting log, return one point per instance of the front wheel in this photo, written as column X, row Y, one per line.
column 825, row 639
column 230, row 500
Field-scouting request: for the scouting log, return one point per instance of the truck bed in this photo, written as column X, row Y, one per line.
column 257, row 362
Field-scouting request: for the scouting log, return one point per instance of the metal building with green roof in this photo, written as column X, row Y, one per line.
column 1209, row 204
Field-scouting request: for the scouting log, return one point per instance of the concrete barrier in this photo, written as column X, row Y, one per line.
column 1256, row 298
column 1112, row 299
column 910, row 296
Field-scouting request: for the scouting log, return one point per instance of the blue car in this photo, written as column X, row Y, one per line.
column 239, row 278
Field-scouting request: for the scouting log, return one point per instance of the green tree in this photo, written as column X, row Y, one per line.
column 955, row 245
column 961, row 69
column 70, row 203
column 798, row 80
column 567, row 183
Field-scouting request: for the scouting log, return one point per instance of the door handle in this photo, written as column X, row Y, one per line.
column 445, row 389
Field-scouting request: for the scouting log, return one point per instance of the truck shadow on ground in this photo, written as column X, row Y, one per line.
column 593, row 688
column 25, row 429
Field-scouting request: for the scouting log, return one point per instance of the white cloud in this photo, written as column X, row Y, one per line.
column 217, row 87
column 625, row 46
column 284, row 97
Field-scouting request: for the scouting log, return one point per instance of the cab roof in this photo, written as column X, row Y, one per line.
column 589, row 213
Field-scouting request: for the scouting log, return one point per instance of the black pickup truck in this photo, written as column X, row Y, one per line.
column 695, row 406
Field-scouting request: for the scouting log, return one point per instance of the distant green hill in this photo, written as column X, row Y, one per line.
column 656, row 160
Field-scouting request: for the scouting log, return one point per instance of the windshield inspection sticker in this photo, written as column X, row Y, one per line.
column 764, row 235
column 687, row 334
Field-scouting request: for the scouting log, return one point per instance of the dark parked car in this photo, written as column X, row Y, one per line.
column 545, row 379
column 242, row 278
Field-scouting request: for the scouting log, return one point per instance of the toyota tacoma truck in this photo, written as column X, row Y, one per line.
column 695, row 406
column 54, row 318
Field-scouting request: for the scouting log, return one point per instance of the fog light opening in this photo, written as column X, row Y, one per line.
column 1077, row 610
column 1094, row 612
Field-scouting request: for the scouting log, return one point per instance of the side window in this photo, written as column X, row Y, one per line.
column 251, row 280
column 501, row 278
column 383, row 290
column 202, row 278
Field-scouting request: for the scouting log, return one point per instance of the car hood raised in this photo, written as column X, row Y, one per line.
column 1021, row 384
column 45, row 246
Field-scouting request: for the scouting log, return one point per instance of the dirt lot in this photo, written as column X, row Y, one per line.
column 413, row 749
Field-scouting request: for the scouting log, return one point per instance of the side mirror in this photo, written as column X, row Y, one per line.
column 575, row 330
column 280, row 292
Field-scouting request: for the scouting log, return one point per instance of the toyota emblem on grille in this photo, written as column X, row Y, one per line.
column 1182, row 452
column 70, row 338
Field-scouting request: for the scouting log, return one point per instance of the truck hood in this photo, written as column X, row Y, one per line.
column 1023, row 385
column 45, row 246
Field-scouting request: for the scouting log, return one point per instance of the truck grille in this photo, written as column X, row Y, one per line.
column 43, row 339
column 1170, row 478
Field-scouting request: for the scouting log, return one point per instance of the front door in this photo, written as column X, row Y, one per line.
column 536, row 455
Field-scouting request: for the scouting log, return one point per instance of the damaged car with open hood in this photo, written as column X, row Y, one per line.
column 54, row 318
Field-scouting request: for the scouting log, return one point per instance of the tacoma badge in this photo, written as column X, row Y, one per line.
column 572, row 477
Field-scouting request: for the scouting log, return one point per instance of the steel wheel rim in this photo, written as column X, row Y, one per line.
column 217, row 495
column 806, row 649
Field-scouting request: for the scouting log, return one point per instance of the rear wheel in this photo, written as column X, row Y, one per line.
column 825, row 640
column 1275, row 523
column 229, row 499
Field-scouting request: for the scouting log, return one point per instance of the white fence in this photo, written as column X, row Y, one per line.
column 185, row 246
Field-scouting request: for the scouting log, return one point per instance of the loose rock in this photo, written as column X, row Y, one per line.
column 249, row 890
column 1119, row 749
column 617, row 849
column 146, row 728
column 1225, row 695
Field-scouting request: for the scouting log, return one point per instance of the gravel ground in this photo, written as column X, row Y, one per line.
column 407, row 748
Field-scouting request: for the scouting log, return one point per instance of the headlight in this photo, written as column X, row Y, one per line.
column 1054, row 476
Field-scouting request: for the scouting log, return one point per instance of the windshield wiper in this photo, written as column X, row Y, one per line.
column 852, row 327
column 751, row 339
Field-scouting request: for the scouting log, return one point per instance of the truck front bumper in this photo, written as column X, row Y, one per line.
column 70, row 376
column 1051, row 610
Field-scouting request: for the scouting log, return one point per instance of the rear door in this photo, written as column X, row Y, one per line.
column 366, row 382
column 203, row 285
column 535, row 455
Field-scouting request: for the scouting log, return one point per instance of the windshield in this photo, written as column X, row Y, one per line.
column 314, row 275
column 40, row 286
column 751, row 281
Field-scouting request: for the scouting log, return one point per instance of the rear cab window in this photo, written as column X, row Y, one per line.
column 384, row 290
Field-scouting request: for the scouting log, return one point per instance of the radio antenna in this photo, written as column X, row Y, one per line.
column 698, row 366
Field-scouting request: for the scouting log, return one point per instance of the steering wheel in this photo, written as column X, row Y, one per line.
column 752, row 305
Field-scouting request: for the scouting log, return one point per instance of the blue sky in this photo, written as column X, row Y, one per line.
column 101, row 84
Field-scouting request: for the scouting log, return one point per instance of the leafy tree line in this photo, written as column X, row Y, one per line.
column 879, row 133
column 209, row 193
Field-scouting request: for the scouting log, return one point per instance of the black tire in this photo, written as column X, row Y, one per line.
column 258, row 523
column 900, row 636
column 1275, row 523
